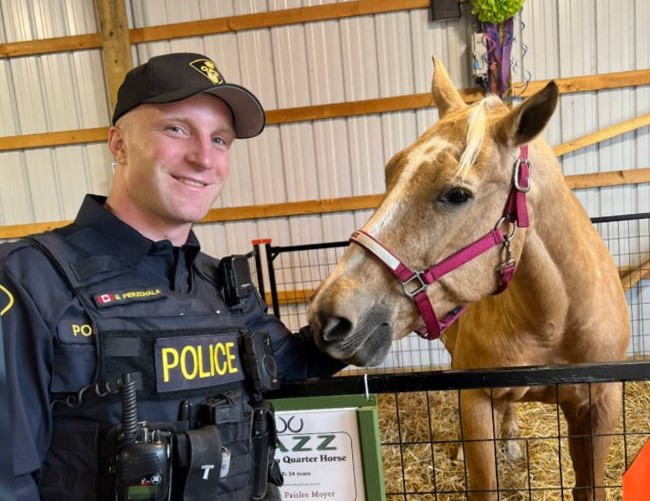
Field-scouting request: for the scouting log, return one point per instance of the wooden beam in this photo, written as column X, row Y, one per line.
column 591, row 83
column 51, row 45
column 335, row 205
column 629, row 277
column 349, row 204
column 21, row 230
column 284, row 17
column 48, row 139
column 218, row 25
column 298, row 296
column 603, row 134
column 286, row 209
column 612, row 178
column 356, row 108
column 115, row 42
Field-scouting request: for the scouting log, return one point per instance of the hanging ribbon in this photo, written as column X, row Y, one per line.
column 497, row 17
column 498, row 40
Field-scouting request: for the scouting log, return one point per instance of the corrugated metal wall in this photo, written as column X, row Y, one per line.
column 322, row 62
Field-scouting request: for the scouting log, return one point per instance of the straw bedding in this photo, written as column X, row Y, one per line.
column 420, row 434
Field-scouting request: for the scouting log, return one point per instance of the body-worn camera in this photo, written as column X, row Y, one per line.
column 259, row 361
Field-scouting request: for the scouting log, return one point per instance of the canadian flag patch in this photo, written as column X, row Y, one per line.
column 104, row 298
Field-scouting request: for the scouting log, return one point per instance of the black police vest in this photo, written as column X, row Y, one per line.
column 182, row 349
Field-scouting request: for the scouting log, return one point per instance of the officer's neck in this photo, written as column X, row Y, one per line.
column 149, row 225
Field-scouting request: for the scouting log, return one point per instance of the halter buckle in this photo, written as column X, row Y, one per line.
column 515, row 180
column 508, row 263
column 421, row 285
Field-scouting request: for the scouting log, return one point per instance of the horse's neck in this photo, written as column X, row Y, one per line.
column 559, row 254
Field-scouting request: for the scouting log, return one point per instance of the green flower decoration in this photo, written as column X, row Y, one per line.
column 495, row 11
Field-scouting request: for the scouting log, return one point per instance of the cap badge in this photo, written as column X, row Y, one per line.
column 208, row 69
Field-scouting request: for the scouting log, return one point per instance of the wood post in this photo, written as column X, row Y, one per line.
column 116, row 45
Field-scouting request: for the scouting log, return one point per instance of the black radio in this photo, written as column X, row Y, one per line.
column 143, row 468
column 142, row 461
column 235, row 278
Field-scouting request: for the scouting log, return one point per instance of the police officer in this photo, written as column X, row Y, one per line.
column 124, row 298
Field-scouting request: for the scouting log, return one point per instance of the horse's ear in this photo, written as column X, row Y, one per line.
column 528, row 119
column 445, row 95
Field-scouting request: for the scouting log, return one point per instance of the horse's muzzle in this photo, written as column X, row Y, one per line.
column 362, row 343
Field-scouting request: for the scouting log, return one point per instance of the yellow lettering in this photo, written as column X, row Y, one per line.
column 193, row 363
column 230, row 357
column 168, row 363
column 219, row 367
column 202, row 372
column 84, row 330
column 188, row 350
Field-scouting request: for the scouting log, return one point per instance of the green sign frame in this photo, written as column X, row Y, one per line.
column 369, row 438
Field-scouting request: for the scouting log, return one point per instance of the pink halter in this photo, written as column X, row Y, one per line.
column 415, row 283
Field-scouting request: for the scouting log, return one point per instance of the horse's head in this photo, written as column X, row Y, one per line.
column 443, row 193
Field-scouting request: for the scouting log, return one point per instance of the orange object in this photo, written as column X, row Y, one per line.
column 636, row 480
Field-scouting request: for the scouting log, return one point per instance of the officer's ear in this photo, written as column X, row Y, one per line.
column 116, row 143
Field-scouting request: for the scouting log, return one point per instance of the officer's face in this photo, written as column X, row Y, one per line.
column 172, row 162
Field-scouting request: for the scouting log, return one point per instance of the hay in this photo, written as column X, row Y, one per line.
column 420, row 435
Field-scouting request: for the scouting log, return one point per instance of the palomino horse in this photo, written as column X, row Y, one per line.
column 482, row 195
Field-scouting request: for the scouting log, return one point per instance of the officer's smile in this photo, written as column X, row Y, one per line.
column 191, row 182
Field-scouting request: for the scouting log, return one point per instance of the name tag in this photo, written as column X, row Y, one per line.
column 191, row 362
column 114, row 298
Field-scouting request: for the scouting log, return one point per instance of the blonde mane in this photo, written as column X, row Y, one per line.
column 475, row 133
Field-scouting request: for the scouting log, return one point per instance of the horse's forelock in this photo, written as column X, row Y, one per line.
column 475, row 134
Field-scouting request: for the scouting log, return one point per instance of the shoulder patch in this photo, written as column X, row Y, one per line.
column 6, row 300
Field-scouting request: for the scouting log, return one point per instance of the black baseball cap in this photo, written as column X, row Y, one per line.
column 174, row 77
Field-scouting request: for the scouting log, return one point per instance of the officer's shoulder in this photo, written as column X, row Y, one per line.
column 26, row 249
column 206, row 262
column 16, row 250
column 20, row 257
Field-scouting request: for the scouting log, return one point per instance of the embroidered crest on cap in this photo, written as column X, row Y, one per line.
column 208, row 69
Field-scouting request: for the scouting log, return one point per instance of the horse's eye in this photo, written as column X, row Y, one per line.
column 455, row 196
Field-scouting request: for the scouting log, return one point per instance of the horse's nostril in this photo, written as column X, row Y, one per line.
column 335, row 328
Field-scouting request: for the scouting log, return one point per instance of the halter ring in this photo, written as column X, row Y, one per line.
column 500, row 223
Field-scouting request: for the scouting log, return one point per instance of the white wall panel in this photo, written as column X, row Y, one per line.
column 17, row 20
column 14, row 189
column 8, row 113
column 97, row 159
column 72, row 179
column 25, row 20
column 30, row 99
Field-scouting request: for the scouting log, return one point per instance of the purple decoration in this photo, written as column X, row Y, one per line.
column 498, row 40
